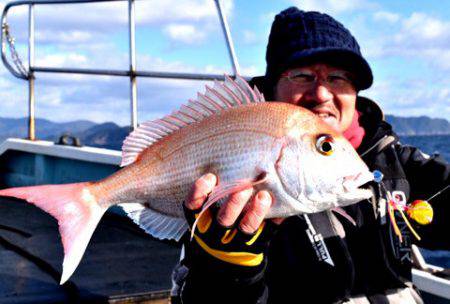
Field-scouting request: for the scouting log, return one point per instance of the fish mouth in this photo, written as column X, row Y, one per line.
column 354, row 189
column 352, row 182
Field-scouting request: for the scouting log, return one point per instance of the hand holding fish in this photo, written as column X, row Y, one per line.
column 236, row 233
column 239, row 203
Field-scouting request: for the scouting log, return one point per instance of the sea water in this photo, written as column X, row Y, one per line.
column 431, row 144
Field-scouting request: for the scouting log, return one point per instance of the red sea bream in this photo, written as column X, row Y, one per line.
column 229, row 131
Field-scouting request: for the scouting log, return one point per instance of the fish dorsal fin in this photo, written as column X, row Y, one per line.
column 223, row 95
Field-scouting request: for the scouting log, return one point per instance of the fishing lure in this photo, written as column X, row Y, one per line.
column 419, row 210
column 392, row 206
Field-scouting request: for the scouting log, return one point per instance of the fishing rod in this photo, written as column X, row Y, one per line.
column 438, row 193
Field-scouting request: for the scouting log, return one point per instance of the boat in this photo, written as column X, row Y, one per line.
column 122, row 264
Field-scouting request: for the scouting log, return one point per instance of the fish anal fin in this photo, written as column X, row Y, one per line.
column 158, row 225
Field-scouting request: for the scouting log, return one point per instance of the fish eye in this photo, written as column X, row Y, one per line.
column 325, row 145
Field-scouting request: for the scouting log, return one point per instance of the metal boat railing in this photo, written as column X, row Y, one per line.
column 28, row 73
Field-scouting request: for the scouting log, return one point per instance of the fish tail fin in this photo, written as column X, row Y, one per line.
column 76, row 210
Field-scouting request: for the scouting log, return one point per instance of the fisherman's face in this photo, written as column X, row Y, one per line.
column 325, row 90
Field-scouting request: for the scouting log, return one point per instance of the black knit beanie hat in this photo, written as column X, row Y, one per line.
column 299, row 38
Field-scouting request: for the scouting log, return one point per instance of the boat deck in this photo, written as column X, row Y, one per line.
column 121, row 261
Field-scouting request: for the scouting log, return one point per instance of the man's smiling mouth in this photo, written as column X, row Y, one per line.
column 324, row 115
column 327, row 116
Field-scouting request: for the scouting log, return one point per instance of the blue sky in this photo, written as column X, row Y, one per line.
column 407, row 44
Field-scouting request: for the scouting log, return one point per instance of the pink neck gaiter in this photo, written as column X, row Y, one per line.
column 355, row 133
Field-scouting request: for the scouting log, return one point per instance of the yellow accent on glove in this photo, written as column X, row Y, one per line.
column 236, row 258
column 258, row 232
column 228, row 236
column 204, row 222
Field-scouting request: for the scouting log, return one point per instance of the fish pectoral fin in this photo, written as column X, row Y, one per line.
column 225, row 189
column 342, row 212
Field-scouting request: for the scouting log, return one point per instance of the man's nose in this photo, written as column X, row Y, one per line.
column 320, row 93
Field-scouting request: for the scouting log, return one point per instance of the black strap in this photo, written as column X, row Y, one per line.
column 319, row 227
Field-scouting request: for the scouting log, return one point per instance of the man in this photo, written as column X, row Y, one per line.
column 314, row 62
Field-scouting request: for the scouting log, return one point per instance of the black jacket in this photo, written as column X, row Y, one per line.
column 368, row 259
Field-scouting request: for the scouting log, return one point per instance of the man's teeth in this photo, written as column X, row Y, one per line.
column 329, row 119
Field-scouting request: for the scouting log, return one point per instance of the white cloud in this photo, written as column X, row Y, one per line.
column 173, row 10
column 77, row 36
column 80, row 36
column 252, row 70
column 268, row 17
column 444, row 94
column 150, row 63
column 50, row 98
column 185, row 33
column 104, row 16
column 61, row 60
column 384, row 16
column 64, row 36
column 333, row 7
column 439, row 58
column 416, row 37
column 421, row 28
column 5, row 83
column 250, row 37
column 64, row 97
column 91, row 22
column 412, row 97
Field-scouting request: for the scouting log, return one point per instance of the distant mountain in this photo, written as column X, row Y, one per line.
column 421, row 125
column 109, row 135
column 106, row 135
column 18, row 127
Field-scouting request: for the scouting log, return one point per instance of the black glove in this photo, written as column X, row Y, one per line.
column 237, row 253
